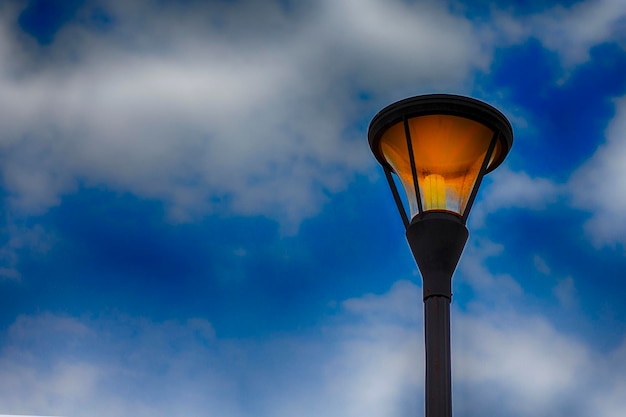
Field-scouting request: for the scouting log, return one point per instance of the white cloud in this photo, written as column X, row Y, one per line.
column 520, row 365
column 569, row 31
column 124, row 365
column 504, row 189
column 397, row 304
column 599, row 186
column 565, row 292
column 541, row 265
column 574, row 31
column 488, row 288
column 19, row 238
column 368, row 360
column 214, row 107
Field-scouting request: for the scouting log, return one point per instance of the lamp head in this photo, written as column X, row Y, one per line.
column 439, row 146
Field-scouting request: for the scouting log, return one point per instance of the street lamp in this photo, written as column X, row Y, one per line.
column 439, row 146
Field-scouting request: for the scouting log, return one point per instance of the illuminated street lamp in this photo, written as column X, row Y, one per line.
column 439, row 146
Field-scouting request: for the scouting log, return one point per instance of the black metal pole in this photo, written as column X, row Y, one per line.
column 437, row 241
column 438, row 388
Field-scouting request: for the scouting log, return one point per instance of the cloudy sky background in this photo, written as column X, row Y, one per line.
column 193, row 224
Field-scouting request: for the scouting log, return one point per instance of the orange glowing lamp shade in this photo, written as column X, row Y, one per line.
column 448, row 152
column 451, row 138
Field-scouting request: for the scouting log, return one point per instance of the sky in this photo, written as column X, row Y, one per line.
column 192, row 223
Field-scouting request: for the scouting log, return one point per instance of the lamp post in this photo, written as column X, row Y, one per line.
column 439, row 146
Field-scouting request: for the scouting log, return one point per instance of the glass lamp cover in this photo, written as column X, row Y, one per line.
column 448, row 152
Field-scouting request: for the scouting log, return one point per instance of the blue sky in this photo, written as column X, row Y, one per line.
column 193, row 224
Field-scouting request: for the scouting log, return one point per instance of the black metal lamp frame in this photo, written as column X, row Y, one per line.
column 437, row 238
